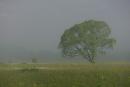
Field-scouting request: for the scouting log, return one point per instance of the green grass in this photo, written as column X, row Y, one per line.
column 65, row 75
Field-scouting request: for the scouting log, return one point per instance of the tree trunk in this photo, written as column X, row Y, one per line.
column 90, row 59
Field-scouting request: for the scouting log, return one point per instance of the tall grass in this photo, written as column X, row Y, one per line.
column 65, row 75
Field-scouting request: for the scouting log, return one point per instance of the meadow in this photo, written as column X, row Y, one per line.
column 64, row 75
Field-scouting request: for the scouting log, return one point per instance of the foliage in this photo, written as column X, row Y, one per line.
column 34, row 60
column 87, row 39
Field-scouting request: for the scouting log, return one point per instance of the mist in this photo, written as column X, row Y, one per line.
column 32, row 28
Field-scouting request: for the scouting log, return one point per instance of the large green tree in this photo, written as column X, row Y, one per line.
column 87, row 39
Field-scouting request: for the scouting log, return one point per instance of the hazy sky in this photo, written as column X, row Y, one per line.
column 38, row 24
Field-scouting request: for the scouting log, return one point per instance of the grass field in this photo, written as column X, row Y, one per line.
column 64, row 75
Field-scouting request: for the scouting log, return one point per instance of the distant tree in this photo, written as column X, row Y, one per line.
column 34, row 60
column 87, row 39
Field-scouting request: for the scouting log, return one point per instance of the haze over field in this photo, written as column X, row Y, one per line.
column 32, row 28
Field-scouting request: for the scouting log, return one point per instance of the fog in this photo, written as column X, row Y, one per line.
column 31, row 28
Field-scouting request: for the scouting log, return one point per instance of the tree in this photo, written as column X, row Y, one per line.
column 34, row 60
column 87, row 39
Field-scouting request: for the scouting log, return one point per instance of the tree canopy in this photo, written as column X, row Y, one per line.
column 87, row 39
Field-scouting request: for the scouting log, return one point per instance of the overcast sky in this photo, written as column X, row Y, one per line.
column 38, row 24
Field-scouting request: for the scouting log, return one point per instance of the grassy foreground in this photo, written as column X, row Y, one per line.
column 64, row 75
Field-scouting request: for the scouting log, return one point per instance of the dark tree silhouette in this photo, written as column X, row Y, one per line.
column 87, row 39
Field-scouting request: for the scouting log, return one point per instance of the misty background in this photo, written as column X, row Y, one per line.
column 32, row 28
